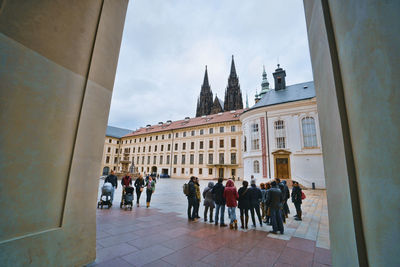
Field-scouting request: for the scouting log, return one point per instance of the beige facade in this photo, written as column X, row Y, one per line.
column 208, row 147
column 110, row 158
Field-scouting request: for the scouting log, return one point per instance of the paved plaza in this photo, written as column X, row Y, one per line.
column 162, row 235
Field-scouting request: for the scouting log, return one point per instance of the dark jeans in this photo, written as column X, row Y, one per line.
column 276, row 220
column 206, row 211
column 138, row 194
column 191, row 204
column 255, row 207
column 298, row 208
column 148, row 195
column 196, row 207
column 218, row 208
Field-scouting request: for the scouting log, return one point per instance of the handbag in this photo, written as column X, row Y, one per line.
column 141, row 189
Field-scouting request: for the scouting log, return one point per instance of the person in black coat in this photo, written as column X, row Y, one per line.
column 244, row 204
column 191, row 196
column 218, row 193
column 296, row 199
column 112, row 179
column 255, row 199
column 274, row 201
column 139, row 184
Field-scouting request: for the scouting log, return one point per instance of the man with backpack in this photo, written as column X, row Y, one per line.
column 218, row 193
column 297, row 197
column 190, row 191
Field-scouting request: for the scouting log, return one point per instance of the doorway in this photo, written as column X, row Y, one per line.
column 221, row 173
column 282, row 164
column 106, row 170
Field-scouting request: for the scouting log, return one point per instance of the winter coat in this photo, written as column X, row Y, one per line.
column 244, row 198
column 255, row 195
column 285, row 190
column 230, row 194
column 275, row 198
column 126, row 181
column 139, row 183
column 208, row 196
column 112, row 179
column 198, row 194
column 263, row 195
column 218, row 193
column 296, row 195
column 151, row 185
column 192, row 190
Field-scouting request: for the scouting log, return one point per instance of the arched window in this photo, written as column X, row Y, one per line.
column 256, row 166
column 280, row 134
column 309, row 132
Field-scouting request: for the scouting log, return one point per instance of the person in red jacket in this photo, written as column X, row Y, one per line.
column 231, row 196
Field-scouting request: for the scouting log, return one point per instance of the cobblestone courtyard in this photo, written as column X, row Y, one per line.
column 162, row 235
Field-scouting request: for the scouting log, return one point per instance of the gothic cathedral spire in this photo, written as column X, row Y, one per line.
column 233, row 95
column 205, row 101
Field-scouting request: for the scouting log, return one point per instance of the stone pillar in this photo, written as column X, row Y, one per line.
column 355, row 57
column 57, row 68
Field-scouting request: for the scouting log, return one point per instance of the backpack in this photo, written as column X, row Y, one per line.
column 303, row 196
column 186, row 189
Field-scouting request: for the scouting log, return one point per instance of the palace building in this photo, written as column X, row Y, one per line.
column 281, row 135
column 112, row 148
column 208, row 147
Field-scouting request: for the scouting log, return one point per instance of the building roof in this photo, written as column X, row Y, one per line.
column 116, row 132
column 291, row 93
column 232, row 115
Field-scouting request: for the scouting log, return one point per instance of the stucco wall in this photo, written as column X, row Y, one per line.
column 58, row 61
column 356, row 64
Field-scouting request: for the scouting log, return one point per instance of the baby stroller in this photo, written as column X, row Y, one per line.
column 105, row 198
column 127, row 198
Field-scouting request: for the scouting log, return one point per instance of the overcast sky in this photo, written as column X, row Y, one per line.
column 167, row 43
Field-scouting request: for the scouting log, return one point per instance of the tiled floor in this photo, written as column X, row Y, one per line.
column 162, row 236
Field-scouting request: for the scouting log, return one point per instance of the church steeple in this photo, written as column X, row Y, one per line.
column 205, row 100
column 264, row 84
column 233, row 68
column 233, row 95
column 279, row 77
column 205, row 81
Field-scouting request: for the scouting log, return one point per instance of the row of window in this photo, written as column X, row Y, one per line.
column 192, row 146
column 221, row 159
column 308, row 130
column 183, row 134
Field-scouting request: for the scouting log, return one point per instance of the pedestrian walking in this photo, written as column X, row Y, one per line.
column 112, row 179
column 274, row 202
column 190, row 192
column 297, row 200
column 244, row 204
column 150, row 188
column 126, row 181
column 255, row 199
column 218, row 193
column 139, row 184
column 209, row 203
column 231, row 196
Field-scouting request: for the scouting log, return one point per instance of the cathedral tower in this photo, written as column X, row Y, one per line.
column 233, row 95
column 205, row 100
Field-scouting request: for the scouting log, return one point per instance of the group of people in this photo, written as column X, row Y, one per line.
column 268, row 202
column 140, row 184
